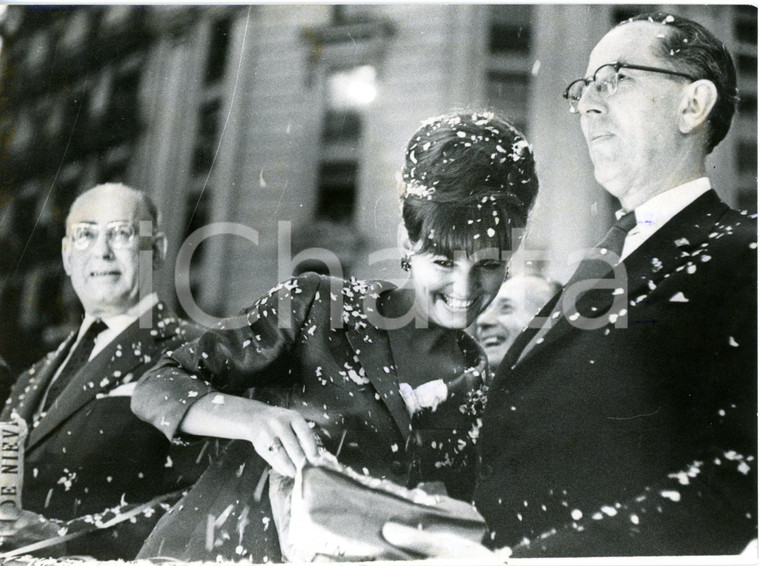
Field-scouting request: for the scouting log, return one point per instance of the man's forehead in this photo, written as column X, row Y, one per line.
column 512, row 290
column 504, row 299
column 105, row 206
column 629, row 43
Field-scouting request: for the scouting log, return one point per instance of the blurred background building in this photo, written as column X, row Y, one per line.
column 291, row 120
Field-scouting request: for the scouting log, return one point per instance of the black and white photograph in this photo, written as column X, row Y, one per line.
column 473, row 283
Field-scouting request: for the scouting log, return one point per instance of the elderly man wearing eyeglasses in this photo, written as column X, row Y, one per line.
column 86, row 452
column 624, row 420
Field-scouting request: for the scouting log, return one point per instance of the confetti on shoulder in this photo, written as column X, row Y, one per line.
column 679, row 298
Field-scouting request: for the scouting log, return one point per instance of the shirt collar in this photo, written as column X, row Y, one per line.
column 121, row 321
column 659, row 209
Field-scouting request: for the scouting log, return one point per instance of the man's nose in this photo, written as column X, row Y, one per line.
column 486, row 320
column 102, row 246
column 590, row 100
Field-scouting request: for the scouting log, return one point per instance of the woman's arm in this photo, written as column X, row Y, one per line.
column 281, row 436
column 196, row 389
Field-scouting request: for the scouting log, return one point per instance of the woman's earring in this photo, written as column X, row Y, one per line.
column 406, row 263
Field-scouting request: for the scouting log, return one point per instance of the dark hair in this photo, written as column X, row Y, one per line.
column 469, row 179
column 689, row 47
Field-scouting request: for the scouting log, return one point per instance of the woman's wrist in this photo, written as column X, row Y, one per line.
column 223, row 416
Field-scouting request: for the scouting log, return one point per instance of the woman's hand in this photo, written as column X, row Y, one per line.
column 281, row 436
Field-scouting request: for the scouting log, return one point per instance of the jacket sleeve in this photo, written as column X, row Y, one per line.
column 240, row 353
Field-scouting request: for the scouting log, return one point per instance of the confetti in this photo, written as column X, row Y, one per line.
column 671, row 494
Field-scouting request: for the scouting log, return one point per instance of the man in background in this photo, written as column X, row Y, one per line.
column 519, row 299
column 85, row 451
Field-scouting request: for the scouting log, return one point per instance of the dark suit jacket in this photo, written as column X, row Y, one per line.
column 638, row 440
column 6, row 380
column 339, row 375
column 89, row 452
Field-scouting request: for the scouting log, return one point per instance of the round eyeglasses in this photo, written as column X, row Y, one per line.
column 606, row 79
column 119, row 234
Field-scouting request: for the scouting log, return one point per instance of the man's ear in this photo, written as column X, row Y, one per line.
column 159, row 249
column 698, row 100
column 65, row 255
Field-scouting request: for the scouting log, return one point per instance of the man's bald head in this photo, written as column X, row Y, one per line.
column 103, row 246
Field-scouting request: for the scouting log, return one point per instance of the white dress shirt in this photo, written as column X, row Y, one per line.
column 654, row 213
column 116, row 325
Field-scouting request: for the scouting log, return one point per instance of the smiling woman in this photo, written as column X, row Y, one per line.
column 469, row 181
column 393, row 390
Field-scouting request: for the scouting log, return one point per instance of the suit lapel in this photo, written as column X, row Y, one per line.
column 377, row 362
column 31, row 385
column 522, row 340
column 671, row 248
column 372, row 347
column 675, row 246
column 112, row 366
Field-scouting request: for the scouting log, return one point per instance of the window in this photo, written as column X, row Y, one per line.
column 747, row 65
column 510, row 29
column 746, row 157
column 216, row 61
column 744, row 50
column 348, row 92
column 622, row 13
column 508, row 94
column 341, row 125
column 748, row 106
column 206, row 139
column 746, row 30
column 337, row 190
column 508, row 78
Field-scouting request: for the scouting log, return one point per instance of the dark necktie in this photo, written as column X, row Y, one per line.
column 78, row 358
column 597, row 263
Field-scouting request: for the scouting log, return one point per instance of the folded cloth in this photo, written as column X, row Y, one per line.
column 337, row 514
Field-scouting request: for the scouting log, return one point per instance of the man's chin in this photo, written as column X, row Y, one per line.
column 607, row 179
column 101, row 302
column 493, row 362
column 495, row 356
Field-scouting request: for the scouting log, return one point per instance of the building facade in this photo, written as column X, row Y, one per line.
column 266, row 132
